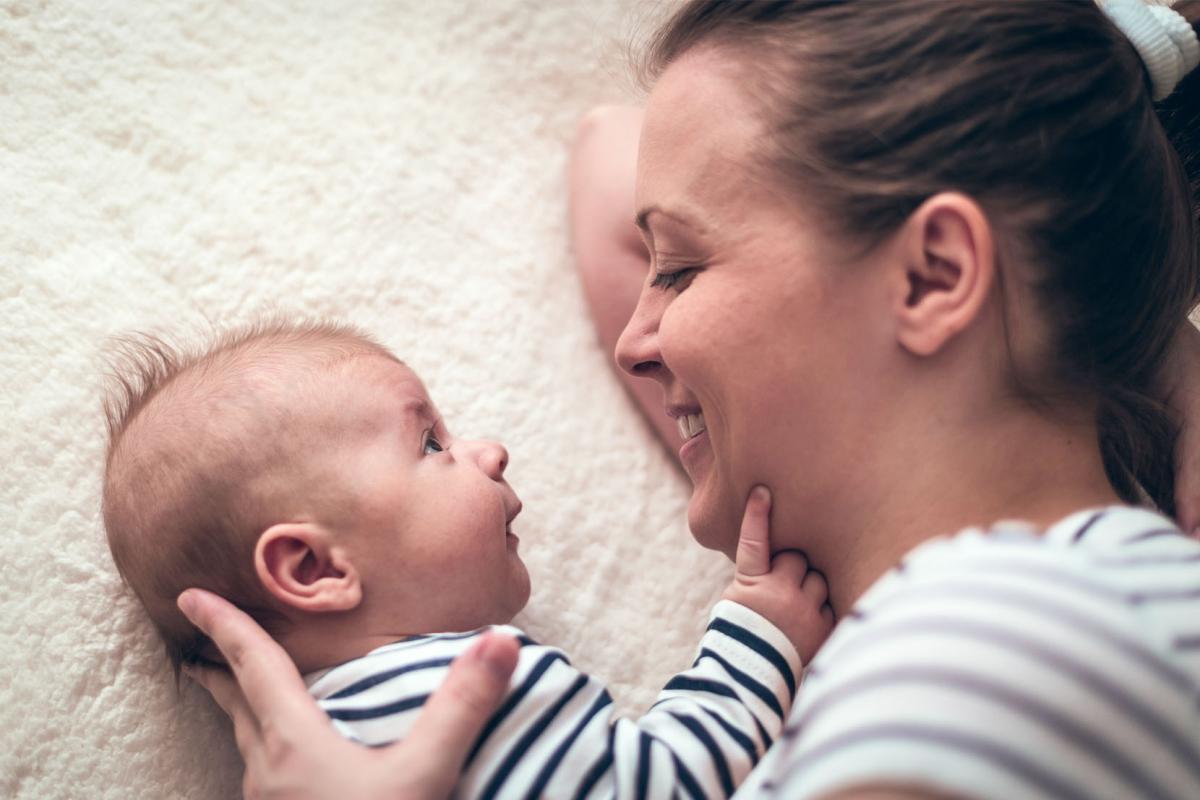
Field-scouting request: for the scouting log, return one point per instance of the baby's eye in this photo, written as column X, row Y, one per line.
column 432, row 445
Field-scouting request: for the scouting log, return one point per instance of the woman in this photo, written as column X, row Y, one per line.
column 917, row 267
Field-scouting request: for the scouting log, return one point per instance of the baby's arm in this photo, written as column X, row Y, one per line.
column 710, row 724
column 782, row 588
column 556, row 734
column 713, row 722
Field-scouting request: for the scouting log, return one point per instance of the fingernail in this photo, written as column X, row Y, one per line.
column 762, row 493
column 492, row 652
column 187, row 603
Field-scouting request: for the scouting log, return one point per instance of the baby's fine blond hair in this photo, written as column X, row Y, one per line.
column 203, row 447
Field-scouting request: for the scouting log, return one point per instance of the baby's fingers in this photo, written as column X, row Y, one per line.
column 827, row 615
column 791, row 566
column 754, row 541
column 815, row 587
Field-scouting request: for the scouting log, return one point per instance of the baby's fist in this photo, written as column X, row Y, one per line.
column 783, row 589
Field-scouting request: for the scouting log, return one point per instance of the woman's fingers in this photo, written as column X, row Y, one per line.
column 291, row 750
column 454, row 716
column 223, row 688
column 754, row 541
column 228, row 695
column 271, row 687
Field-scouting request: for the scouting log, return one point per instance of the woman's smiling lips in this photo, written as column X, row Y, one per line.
column 693, row 431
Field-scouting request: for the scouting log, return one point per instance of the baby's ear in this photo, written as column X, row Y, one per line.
column 298, row 563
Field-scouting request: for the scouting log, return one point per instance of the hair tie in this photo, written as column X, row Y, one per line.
column 1165, row 40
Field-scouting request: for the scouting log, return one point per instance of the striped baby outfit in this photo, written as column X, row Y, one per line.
column 556, row 735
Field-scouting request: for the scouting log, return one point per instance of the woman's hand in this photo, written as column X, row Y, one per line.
column 290, row 748
column 1184, row 401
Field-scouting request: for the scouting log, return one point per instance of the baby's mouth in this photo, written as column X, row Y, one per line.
column 691, row 425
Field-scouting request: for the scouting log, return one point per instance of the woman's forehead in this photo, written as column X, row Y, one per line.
column 698, row 137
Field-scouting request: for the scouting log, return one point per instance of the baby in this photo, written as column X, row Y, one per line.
column 301, row 471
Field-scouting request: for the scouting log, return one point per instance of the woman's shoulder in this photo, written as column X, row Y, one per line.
column 1019, row 659
column 1122, row 577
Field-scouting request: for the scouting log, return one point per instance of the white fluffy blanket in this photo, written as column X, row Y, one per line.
column 395, row 163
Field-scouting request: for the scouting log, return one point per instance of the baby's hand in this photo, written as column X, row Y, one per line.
column 783, row 589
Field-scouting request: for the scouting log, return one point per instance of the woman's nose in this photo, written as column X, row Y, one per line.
column 637, row 347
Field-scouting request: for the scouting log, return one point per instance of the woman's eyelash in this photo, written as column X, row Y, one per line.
column 668, row 280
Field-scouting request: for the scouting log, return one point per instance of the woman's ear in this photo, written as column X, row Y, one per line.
column 948, row 269
column 301, row 567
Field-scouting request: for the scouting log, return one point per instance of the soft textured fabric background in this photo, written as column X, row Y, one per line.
column 395, row 163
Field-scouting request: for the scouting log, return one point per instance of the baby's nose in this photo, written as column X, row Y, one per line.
column 493, row 459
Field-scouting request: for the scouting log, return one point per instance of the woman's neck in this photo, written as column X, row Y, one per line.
column 1017, row 464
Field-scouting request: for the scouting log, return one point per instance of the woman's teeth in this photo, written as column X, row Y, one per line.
column 690, row 425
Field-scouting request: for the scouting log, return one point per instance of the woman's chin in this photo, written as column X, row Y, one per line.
column 712, row 526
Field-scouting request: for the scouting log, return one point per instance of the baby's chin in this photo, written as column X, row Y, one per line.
column 522, row 598
column 518, row 598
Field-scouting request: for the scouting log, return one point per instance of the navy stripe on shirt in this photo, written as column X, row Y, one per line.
column 750, row 684
column 374, row 712
column 1056, row 659
column 760, row 646
column 374, row 680
column 513, row 699
column 643, row 764
column 1011, row 761
column 743, row 741
column 540, row 782
column 603, row 765
column 1068, row 728
column 531, row 735
column 710, row 744
column 1079, row 534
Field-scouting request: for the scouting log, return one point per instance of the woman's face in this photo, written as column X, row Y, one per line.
column 757, row 327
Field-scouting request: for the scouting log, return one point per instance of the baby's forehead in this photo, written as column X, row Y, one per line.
column 375, row 386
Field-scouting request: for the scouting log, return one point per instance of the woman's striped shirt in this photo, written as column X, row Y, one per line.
column 1007, row 664
column 555, row 734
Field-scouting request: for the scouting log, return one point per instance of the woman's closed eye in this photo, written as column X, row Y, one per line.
column 677, row 279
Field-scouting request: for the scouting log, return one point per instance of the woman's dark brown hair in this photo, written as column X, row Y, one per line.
column 1038, row 109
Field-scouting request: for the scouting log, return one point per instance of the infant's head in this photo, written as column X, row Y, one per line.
column 302, row 472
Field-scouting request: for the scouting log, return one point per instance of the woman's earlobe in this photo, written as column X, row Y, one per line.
column 299, row 565
column 947, row 272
